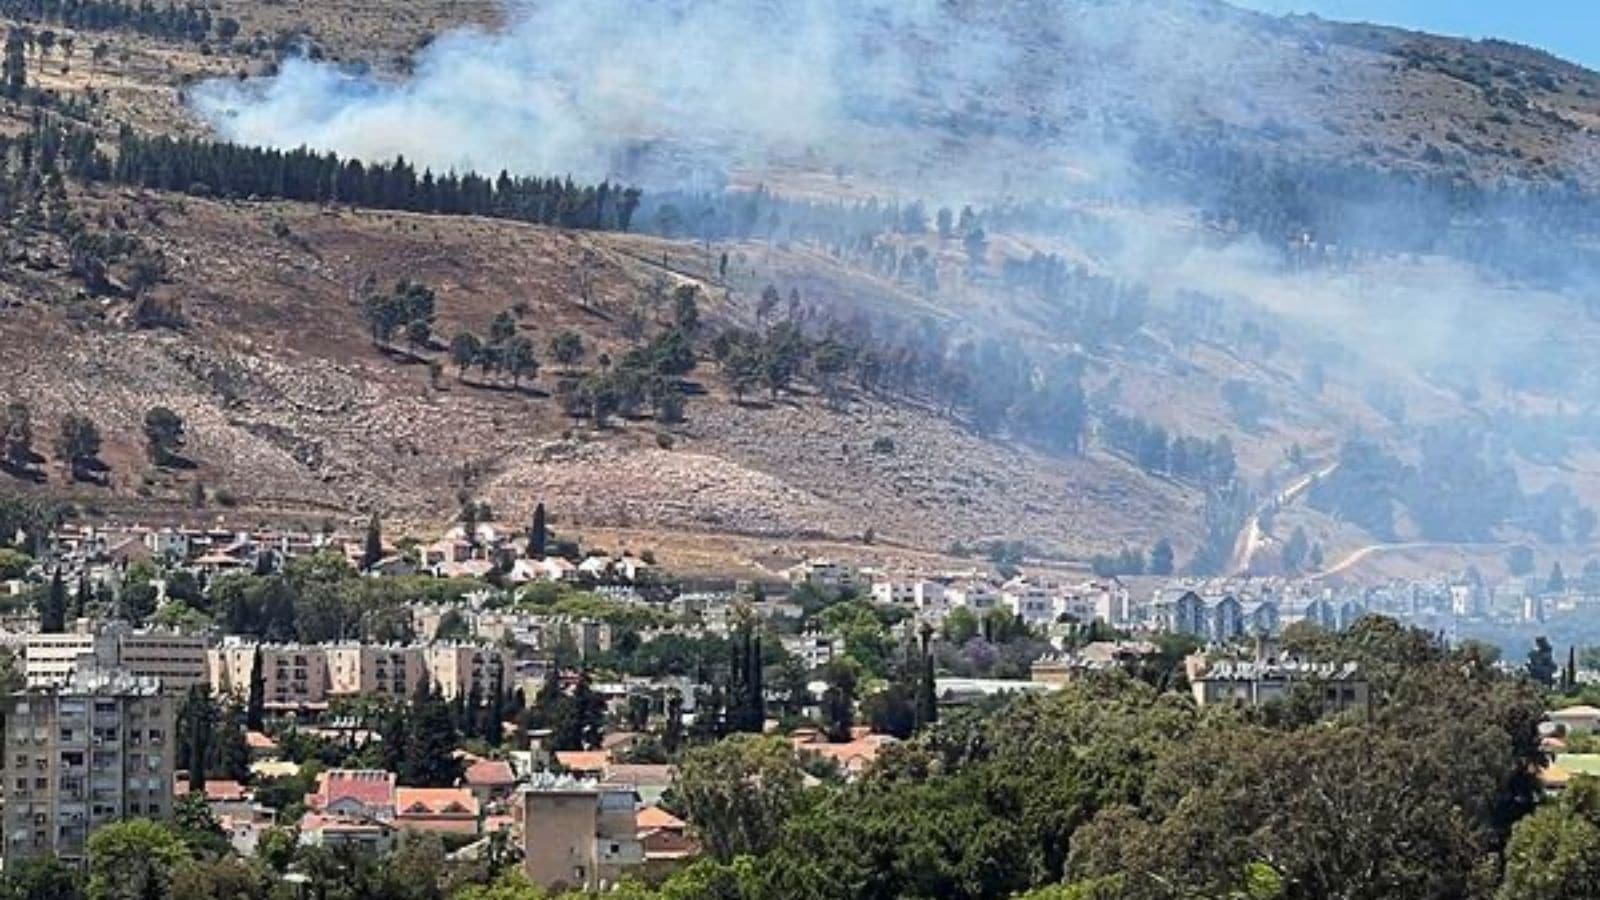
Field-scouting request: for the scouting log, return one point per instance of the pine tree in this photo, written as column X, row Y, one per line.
column 394, row 729
column 538, row 536
column 756, row 701
column 589, row 712
column 372, row 551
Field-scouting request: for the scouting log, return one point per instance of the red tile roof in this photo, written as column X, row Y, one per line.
column 583, row 760
column 217, row 790
column 452, row 802
column 369, row 787
column 654, row 818
column 490, row 773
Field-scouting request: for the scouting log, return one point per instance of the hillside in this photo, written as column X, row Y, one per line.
column 1150, row 268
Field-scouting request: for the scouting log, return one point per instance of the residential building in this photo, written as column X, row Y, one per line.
column 1338, row 687
column 1580, row 719
column 456, row 669
column 439, row 810
column 83, row 755
column 1033, row 603
column 489, row 779
column 379, row 670
column 825, row 576
column 813, row 650
column 354, row 793
column 294, row 676
column 578, row 835
column 977, row 597
column 178, row 661
column 1100, row 656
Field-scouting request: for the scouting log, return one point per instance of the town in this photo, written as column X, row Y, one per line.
column 529, row 705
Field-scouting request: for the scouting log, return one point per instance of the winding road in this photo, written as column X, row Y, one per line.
column 1251, row 536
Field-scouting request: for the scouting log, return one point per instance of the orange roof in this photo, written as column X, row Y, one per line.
column 853, row 756
column 258, row 741
column 583, row 760
column 654, row 818
column 490, row 773
column 318, row 822
column 435, row 802
column 218, row 790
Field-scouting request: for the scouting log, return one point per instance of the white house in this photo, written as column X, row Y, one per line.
column 1033, row 603
column 977, row 596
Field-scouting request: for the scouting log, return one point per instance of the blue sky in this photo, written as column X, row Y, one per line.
column 1567, row 28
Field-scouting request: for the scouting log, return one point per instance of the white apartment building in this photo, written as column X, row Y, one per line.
column 178, row 661
column 825, row 575
column 1033, row 603
column 976, row 596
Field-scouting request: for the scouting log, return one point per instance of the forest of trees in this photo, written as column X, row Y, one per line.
column 1461, row 489
column 220, row 169
column 191, row 22
column 1186, row 458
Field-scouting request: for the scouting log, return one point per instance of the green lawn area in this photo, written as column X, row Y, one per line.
column 1580, row 763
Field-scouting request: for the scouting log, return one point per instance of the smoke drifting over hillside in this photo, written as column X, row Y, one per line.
column 571, row 85
column 950, row 101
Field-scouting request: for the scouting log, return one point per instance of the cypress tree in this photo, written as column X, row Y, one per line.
column 538, row 535
column 372, row 552
column 492, row 722
column 927, row 693
column 1569, row 677
column 53, row 615
column 255, row 705
column 198, row 719
column 757, row 702
column 81, row 598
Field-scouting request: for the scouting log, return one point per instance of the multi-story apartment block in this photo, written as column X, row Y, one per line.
column 82, row 755
column 457, row 668
column 293, row 676
column 178, row 661
column 308, row 676
column 578, row 834
column 374, row 669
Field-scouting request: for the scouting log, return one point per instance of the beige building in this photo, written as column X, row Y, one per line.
column 455, row 668
column 293, row 676
column 384, row 670
column 307, row 676
column 177, row 660
column 577, row 834
column 81, row 756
